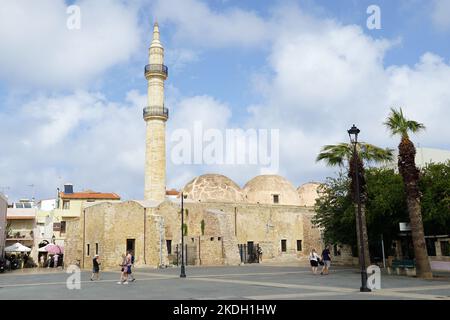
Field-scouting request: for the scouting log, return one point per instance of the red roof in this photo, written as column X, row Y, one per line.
column 172, row 192
column 89, row 195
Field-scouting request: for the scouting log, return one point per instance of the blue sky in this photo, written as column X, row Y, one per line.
column 71, row 100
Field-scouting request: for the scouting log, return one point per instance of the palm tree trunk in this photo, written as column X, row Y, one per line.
column 410, row 174
column 418, row 237
column 364, row 233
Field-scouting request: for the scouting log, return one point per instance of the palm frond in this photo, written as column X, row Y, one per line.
column 399, row 125
column 339, row 154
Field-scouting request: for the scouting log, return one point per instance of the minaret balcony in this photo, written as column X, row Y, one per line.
column 156, row 112
column 156, row 69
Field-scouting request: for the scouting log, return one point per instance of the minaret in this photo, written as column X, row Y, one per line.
column 155, row 116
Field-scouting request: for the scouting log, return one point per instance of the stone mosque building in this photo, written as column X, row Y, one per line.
column 223, row 223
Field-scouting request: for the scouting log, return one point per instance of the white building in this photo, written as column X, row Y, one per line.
column 424, row 156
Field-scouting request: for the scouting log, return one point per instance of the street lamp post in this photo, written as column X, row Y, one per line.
column 353, row 134
column 183, row 271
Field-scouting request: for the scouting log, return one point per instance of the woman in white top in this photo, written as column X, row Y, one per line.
column 314, row 259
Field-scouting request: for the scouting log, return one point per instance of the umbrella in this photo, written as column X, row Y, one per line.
column 17, row 247
column 54, row 249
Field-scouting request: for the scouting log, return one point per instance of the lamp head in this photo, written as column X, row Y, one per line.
column 353, row 134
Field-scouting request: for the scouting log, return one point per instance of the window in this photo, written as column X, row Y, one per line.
column 169, row 246
column 63, row 227
column 96, row 248
column 283, row 245
column 57, row 226
column 299, row 245
column 88, row 247
column 66, row 204
column 276, row 198
column 445, row 248
column 131, row 244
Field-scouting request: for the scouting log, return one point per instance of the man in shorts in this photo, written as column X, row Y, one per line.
column 95, row 268
column 130, row 262
column 326, row 258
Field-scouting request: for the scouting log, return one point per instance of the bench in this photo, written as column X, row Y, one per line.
column 403, row 264
column 404, row 267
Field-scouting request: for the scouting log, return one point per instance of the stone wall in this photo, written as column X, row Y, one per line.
column 110, row 224
column 73, row 245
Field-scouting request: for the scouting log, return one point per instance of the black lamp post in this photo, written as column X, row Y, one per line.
column 183, row 271
column 353, row 134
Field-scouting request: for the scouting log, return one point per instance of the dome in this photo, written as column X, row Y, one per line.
column 213, row 188
column 308, row 193
column 271, row 189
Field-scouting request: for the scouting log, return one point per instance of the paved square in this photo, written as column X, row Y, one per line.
column 253, row 282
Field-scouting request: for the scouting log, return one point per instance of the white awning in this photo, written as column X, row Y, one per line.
column 17, row 247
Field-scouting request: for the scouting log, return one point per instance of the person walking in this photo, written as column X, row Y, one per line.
column 260, row 253
column 55, row 261
column 130, row 264
column 95, row 268
column 314, row 260
column 326, row 257
column 123, row 271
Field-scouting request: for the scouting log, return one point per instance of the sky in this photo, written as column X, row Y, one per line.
column 71, row 99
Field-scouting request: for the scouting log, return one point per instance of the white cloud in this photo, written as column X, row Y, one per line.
column 440, row 14
column 197, row 24
column 325, row 76
column 92, row 142
column 39, row 49
column 179, row 58
column 322, row 77
column 81, row 138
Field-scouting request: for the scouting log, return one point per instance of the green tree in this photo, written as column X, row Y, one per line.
column 399, row 125
column 386, row 206
column 435, row 188
column 341, row 155
column 334, row 211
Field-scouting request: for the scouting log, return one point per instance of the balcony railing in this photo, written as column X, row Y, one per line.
column 156, row 112
column 156, row 68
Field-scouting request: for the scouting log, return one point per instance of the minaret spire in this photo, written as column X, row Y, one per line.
column 155, row 116
column 156, row 41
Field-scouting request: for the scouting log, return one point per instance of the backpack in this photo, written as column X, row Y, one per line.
column 132, row 259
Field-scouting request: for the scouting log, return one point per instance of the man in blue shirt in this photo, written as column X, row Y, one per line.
column 326, row 258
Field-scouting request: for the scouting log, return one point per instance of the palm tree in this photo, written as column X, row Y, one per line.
column 341, row 155
column 399, row 125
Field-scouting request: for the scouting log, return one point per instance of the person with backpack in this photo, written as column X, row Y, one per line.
column 314, row 260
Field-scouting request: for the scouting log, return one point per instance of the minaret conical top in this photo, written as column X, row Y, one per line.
column 155, row 41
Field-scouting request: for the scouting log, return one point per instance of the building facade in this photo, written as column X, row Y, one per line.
column 21, row 225
column 53, row 214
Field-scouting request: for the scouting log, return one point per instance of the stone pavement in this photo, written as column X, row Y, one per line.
column 254, row 282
